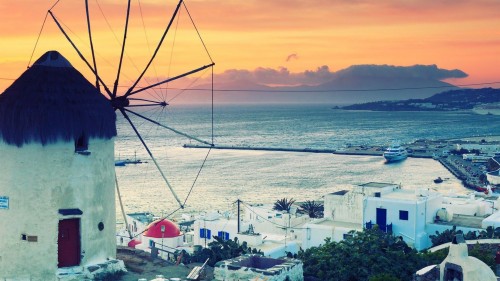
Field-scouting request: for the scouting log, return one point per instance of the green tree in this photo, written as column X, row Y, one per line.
column 362, row 255
column 484, row 255
column 383, row 277
column 283, row 204
column 220, row 249
column 312, row 208
column 444, row 237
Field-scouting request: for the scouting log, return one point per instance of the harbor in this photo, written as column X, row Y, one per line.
column 446, row 152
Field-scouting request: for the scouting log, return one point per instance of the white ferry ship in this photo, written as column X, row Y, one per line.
column 395, row 153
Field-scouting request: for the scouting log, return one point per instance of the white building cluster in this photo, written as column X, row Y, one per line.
column 411, row 214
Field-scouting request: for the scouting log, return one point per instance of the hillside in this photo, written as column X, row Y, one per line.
column 462, row 99
column 354, row 84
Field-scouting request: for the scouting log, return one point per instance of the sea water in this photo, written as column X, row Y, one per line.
column 265, row 176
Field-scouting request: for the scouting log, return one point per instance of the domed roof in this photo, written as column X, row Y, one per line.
column 471, row 268
column 133, row 243
column 52, row 101
column 170, row 229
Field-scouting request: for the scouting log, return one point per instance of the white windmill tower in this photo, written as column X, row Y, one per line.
column 57, row 132
column 57, row 205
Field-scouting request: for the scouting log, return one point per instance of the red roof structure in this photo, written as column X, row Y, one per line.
column 133, row 243
column 170, row 229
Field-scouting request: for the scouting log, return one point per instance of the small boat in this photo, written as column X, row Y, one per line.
column 438, row 180
column 395, row 153
column 127, row 161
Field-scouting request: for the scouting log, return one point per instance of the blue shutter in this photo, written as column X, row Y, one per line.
column 202, row 233
column 227, row 236
column 209, row 234
column 220, row 234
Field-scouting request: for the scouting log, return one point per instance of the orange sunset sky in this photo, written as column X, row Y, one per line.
column 298, row 35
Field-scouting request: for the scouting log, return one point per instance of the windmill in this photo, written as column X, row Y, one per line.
column 126, row 98
column 57, row 133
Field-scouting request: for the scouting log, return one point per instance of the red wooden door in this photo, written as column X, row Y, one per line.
column 68, row 243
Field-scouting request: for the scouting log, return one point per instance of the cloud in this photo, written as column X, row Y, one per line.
column 292, row 56
column 390, row 71
column 283, row 77
column 280, row 76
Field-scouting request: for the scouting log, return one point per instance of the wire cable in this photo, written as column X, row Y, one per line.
column 38, row 38
column 199, row 35
column 199, row 171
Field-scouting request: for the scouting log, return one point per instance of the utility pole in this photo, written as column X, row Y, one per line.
column 238, row 201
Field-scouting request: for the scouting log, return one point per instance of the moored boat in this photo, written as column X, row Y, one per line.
column 395, row 153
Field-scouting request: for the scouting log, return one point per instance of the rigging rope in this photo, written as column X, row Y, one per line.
column 38, row 38
column 172, row 51
column 201, row 39
column 196, row 178
column 160, row 96
column 121, row 207
column 190, row 84
column 160, row 220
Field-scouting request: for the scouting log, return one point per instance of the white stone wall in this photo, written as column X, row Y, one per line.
column 223, row 224
column 315, row 234
column 344, row 208
column 40, row 180
column 226, row 273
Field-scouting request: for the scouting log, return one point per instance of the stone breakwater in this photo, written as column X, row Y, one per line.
column 466, row 171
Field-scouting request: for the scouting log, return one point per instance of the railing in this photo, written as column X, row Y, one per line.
column 385, row 228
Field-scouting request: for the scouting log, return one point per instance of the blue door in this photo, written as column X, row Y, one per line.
column 382, row 219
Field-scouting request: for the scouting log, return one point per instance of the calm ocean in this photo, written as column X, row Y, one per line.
column 257, row 176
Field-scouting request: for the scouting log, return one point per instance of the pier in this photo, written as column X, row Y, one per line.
column 262, row 148
column 466, row 171
column 351, row 150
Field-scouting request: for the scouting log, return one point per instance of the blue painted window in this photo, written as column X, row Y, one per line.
column 224, row 235
column 151, row 244
column 403, row 215
column 205, row 233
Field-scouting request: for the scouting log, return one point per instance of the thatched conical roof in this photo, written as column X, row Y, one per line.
column 52, row 101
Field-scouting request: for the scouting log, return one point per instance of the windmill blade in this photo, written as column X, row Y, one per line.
column 123, row 50
column 162, row 103
column 80, row 54
column 122, row 110
column 92, row 45
column 167, row 127
column 156, row 50
column 170, row 79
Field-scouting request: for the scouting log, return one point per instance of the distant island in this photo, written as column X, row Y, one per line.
column 463, row 99
column 354, row 84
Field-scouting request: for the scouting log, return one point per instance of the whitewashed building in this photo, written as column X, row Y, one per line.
column 57, row 199
column 411, row 214
column 273, row 232
column 344, row 212
column 226, row 227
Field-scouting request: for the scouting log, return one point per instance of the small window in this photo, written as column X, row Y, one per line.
column 346, row 235
column 403, row 215
column 151, row 243
column 205, row 233
column 82, row 143
column 223, row 235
